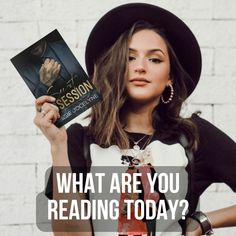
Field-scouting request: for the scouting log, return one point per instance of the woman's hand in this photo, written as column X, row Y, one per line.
column 49, row 72
column 192, row 228
column 46, row 116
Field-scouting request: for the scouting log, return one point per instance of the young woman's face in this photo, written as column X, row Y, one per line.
column 148, row 68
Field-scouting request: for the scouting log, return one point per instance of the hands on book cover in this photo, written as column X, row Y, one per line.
column 48, row 67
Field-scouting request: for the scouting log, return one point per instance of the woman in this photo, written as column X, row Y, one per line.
column 145, row 62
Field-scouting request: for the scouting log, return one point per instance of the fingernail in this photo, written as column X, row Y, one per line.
column 53, row 99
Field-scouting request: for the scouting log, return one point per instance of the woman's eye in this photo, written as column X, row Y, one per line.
column 131, row 58
column 155, row 60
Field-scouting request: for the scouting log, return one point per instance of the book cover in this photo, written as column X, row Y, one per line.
column 48, row 67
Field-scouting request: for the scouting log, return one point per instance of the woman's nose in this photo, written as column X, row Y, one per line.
column 140, row 66
column 140, row 70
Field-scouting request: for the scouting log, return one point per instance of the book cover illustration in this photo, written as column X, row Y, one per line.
column 48, row 67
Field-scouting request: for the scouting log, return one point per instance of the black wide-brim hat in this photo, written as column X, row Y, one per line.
column 118, row 20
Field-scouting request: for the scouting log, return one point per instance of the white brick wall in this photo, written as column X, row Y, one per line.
column 24, row 153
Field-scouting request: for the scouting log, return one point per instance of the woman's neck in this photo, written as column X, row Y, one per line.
column 139, row 118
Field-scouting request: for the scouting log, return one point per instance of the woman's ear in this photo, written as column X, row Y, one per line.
column 169, row 82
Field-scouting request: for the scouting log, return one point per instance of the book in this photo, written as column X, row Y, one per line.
column 48, row 67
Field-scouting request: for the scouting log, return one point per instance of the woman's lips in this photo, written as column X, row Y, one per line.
column 139, row 81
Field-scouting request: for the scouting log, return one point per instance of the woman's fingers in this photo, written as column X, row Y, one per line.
column 46, row 117
column 49, row 118
column 47, row 107
column 41, row 100
column 47, row 112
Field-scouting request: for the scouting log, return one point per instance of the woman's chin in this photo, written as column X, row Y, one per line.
column 141, row 99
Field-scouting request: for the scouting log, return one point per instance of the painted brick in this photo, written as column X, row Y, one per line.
column 18, row 35
column 217, row 33
column 223, row 188
column 42, row 175
column 225, row 62
column 184, row 8
column 24, row 149
column 212, row 188
column 224, row 9
column 60, row 9
column 97, row 10
column 17, row 120
column 225, row 119
column 214, row 90
column 23, row 10
column 80, row 55
column 206, row 110
column 18, row 179
column 207, row 61
column 187, row 9
column 6, row 67
column 19, row 230
column 37, row 232
column 66, row 28
column 211, row 201
column 225, row 231
column 14, row 92
column 83, row 29
column 17, row 209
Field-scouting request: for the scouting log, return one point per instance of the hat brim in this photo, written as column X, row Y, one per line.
column 116, row 21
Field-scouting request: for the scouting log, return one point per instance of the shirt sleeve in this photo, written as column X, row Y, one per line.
column 75, row 154
column 215, row 159
column 75, row 146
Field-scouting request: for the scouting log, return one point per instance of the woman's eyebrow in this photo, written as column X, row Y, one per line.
column 156, row 50
column 149, row 51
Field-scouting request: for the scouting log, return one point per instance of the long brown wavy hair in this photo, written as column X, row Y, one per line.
column 108, row 117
